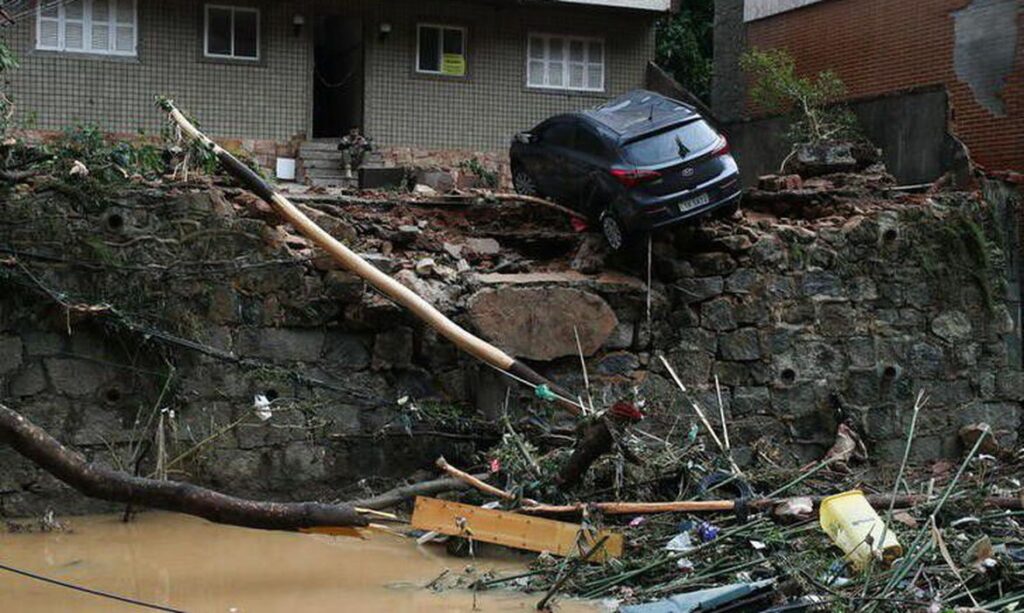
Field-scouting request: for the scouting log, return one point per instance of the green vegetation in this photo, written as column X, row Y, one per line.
column 776, row 87
column 489, row 178
column 7, row 62
column 684, row 46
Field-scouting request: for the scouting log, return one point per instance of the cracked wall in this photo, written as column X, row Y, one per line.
column 986, row 34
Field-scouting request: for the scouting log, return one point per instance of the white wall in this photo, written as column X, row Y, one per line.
column 647, row 5
column 759, row 9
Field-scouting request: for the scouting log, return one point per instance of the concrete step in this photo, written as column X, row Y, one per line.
column 309, row 163
column 320, row 155
column 325, row 173
column 319, row 145
column 352, row 183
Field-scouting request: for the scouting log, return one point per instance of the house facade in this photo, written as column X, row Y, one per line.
column 418, row 76
column 973, row 49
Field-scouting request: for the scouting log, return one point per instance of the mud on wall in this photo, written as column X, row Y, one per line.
column 804, row 323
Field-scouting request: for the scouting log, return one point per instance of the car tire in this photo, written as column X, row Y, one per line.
column 524, row 184
column 613, row 230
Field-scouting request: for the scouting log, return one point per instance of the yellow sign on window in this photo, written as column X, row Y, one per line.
column 453, row 64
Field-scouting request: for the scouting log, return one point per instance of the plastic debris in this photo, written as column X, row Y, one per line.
column 680, row 543
column 707, row 532
column 702, row 600
column 856, row 528
column 261, row 406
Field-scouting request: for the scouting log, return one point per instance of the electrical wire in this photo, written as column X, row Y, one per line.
column 87, row 590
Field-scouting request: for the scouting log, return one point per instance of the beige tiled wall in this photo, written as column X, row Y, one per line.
column 271, row 99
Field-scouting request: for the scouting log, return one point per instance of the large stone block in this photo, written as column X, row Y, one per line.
column 718, row 314
column 29, row 381
column 742, row 345
column 539, row 323
column 698, row 289
column 10, row 353
column 75, row 377
column 281, row 344
column 393, row 348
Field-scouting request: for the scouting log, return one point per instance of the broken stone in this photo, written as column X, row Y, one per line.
column 591, row 255
column 970, row 434
column 778, row 183
column 424, row 190
column 538, row 323
column 453, row 250
column 440, row 294
column 425, row 266
column 483, row 247
column 343, row 286
column 437, row 180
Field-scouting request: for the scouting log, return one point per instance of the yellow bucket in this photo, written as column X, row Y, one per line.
column 849, row 520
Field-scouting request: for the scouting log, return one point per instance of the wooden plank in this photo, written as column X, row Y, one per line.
column 509, row 529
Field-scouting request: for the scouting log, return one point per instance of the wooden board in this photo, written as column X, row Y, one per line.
column 509, row 529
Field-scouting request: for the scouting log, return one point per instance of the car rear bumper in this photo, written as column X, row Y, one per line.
column 722, row 191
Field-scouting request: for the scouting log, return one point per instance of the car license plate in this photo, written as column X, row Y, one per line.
column 692, row 203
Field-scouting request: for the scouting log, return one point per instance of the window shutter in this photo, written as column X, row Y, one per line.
column 49, row 28
column 100, row 25
column 74, row 25
column 125, row 36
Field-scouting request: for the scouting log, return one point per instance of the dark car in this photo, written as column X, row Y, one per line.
column 639, row 162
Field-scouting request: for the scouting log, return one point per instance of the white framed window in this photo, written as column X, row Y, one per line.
column 107, row 27
column 231, row 32
column 555, row 61
column 441, row 49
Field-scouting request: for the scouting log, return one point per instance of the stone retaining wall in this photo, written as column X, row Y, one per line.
column 804, row 323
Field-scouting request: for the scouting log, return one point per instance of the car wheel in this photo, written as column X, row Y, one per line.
column 613, row 231
column 524, row 184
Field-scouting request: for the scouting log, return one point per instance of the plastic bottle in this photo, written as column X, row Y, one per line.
column 849, row 520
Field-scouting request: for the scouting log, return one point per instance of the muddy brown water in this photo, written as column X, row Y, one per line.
column 189, row 564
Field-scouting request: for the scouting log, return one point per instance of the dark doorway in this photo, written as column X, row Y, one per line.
column 337, row 76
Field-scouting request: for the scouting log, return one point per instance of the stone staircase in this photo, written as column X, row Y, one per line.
column 320, row 163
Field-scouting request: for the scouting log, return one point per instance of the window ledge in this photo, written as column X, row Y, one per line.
column 78, row 55
column 229, row 61
column 580, row 93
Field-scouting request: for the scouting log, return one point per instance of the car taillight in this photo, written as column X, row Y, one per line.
column 632, row 177
column 723, row 146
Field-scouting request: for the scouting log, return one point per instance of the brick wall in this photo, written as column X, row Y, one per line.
column 879, row 46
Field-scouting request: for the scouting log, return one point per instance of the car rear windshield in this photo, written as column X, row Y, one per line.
column 672, row 144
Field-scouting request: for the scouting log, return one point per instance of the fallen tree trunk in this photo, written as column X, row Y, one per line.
column 402, row 493
column 103, row 483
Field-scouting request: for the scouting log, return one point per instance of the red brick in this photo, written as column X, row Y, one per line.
column 881, row 46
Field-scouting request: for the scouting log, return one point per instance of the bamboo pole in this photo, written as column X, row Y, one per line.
column 462, row 338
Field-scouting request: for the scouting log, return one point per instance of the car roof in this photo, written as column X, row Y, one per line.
column 639, row 112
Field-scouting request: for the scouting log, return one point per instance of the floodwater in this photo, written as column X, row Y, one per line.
column 189, row 564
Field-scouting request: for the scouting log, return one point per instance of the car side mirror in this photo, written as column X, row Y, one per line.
column 524, row 137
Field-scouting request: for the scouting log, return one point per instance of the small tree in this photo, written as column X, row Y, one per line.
column 776, row 88
column 7, row 62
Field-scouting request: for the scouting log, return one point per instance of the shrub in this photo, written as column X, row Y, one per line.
column 777, row 88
